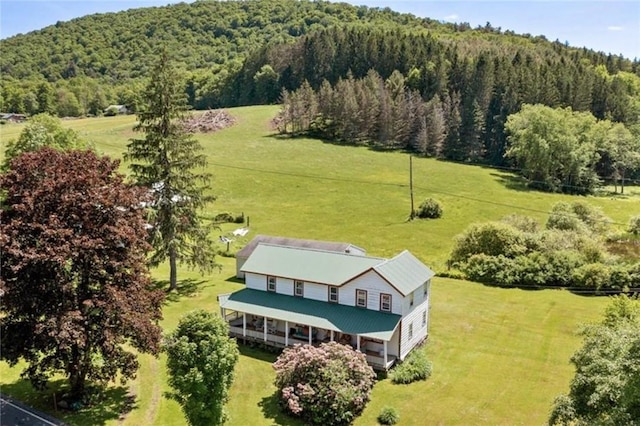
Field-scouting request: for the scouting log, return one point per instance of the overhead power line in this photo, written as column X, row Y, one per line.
column 396, row 185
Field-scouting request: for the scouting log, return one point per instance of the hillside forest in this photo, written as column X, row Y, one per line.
column 395, row 81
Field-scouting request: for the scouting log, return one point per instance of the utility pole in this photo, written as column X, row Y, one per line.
column 411, row 216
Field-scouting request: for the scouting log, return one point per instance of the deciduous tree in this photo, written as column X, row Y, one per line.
column 555, row 148
column 43, row 130
column 606, row 387
column 170, row 162
column 75, row 288
column 200, row 358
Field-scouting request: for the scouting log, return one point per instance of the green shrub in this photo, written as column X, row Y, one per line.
column 634, row 225
column 593, row 276
column 388, row 416
column 577, row 216
column 492, row 239
column 487, row 269
column 239, row 218
column 429, row 209
column 415, row 367
column 224, row 218
column 522, row 223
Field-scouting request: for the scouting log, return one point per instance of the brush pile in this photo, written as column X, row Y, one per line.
column 211, row 121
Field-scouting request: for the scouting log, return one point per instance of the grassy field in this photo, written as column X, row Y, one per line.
column 500, row 356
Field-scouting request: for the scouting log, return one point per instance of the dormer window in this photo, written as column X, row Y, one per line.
column 333, row 294
column 271, row 283
column 411, row 299
column 361, row 298
column 426, row 288
column 385, row 302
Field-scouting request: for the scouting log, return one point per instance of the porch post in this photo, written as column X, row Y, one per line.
column 224, row 314
column 244, row 324
column 332, row 335
column 385, row 354
column 264, row 326
column 310, row 334
column 286, row 333
column 357, row 341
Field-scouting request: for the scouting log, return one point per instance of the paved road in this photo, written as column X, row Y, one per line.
column 15, row 413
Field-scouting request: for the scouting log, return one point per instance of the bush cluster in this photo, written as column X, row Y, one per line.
column 415, row 367
column 325, row 385
column 568, row 253
column 227, row 217
column 634, row 225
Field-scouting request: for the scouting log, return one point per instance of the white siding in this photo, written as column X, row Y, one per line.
column 256, row 281
column 284, row 286
column 317, row 292
column 374, row 285
column 418, row 298
column 419, row 331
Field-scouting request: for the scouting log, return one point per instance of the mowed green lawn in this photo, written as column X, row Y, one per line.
column 500, row 356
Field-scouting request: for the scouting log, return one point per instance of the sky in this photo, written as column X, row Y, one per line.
column 610, row 26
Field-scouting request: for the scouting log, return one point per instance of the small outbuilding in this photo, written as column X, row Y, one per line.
column 116, row 110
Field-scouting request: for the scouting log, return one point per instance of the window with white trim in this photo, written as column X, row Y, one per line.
column 426, row 288
column 361, row 298
column 271, row 283
column 424, row 318
column 411, row 299
column 333, row 294
column 385, row 302
column 298, row 287
column 410, row 331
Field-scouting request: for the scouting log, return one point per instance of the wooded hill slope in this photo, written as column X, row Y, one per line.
column 81, row 66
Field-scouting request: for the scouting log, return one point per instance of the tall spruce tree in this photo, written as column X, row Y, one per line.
column 170, row 162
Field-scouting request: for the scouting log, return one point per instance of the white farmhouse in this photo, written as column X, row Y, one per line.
column 302, row 295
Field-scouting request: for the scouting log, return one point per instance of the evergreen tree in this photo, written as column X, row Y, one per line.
column 170, row 163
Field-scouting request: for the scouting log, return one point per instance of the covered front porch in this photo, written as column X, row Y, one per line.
column 281, row 321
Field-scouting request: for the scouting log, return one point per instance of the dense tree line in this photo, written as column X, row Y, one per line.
column 557, row 149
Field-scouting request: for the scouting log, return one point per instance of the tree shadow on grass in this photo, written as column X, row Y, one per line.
column 271, row 410
column 513, row 182
column 112, row 403
column 186, row 288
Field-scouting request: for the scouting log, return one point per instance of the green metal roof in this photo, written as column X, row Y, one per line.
column 330, row 316
column 405, row 272
column 307, row 265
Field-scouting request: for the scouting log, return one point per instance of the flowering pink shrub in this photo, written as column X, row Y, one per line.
column 328, row 385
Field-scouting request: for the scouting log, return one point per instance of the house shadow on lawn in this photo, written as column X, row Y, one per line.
column 234, row 279
column 107, row 405
column 271, row 410
column 186, row 288
column 255, row 351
